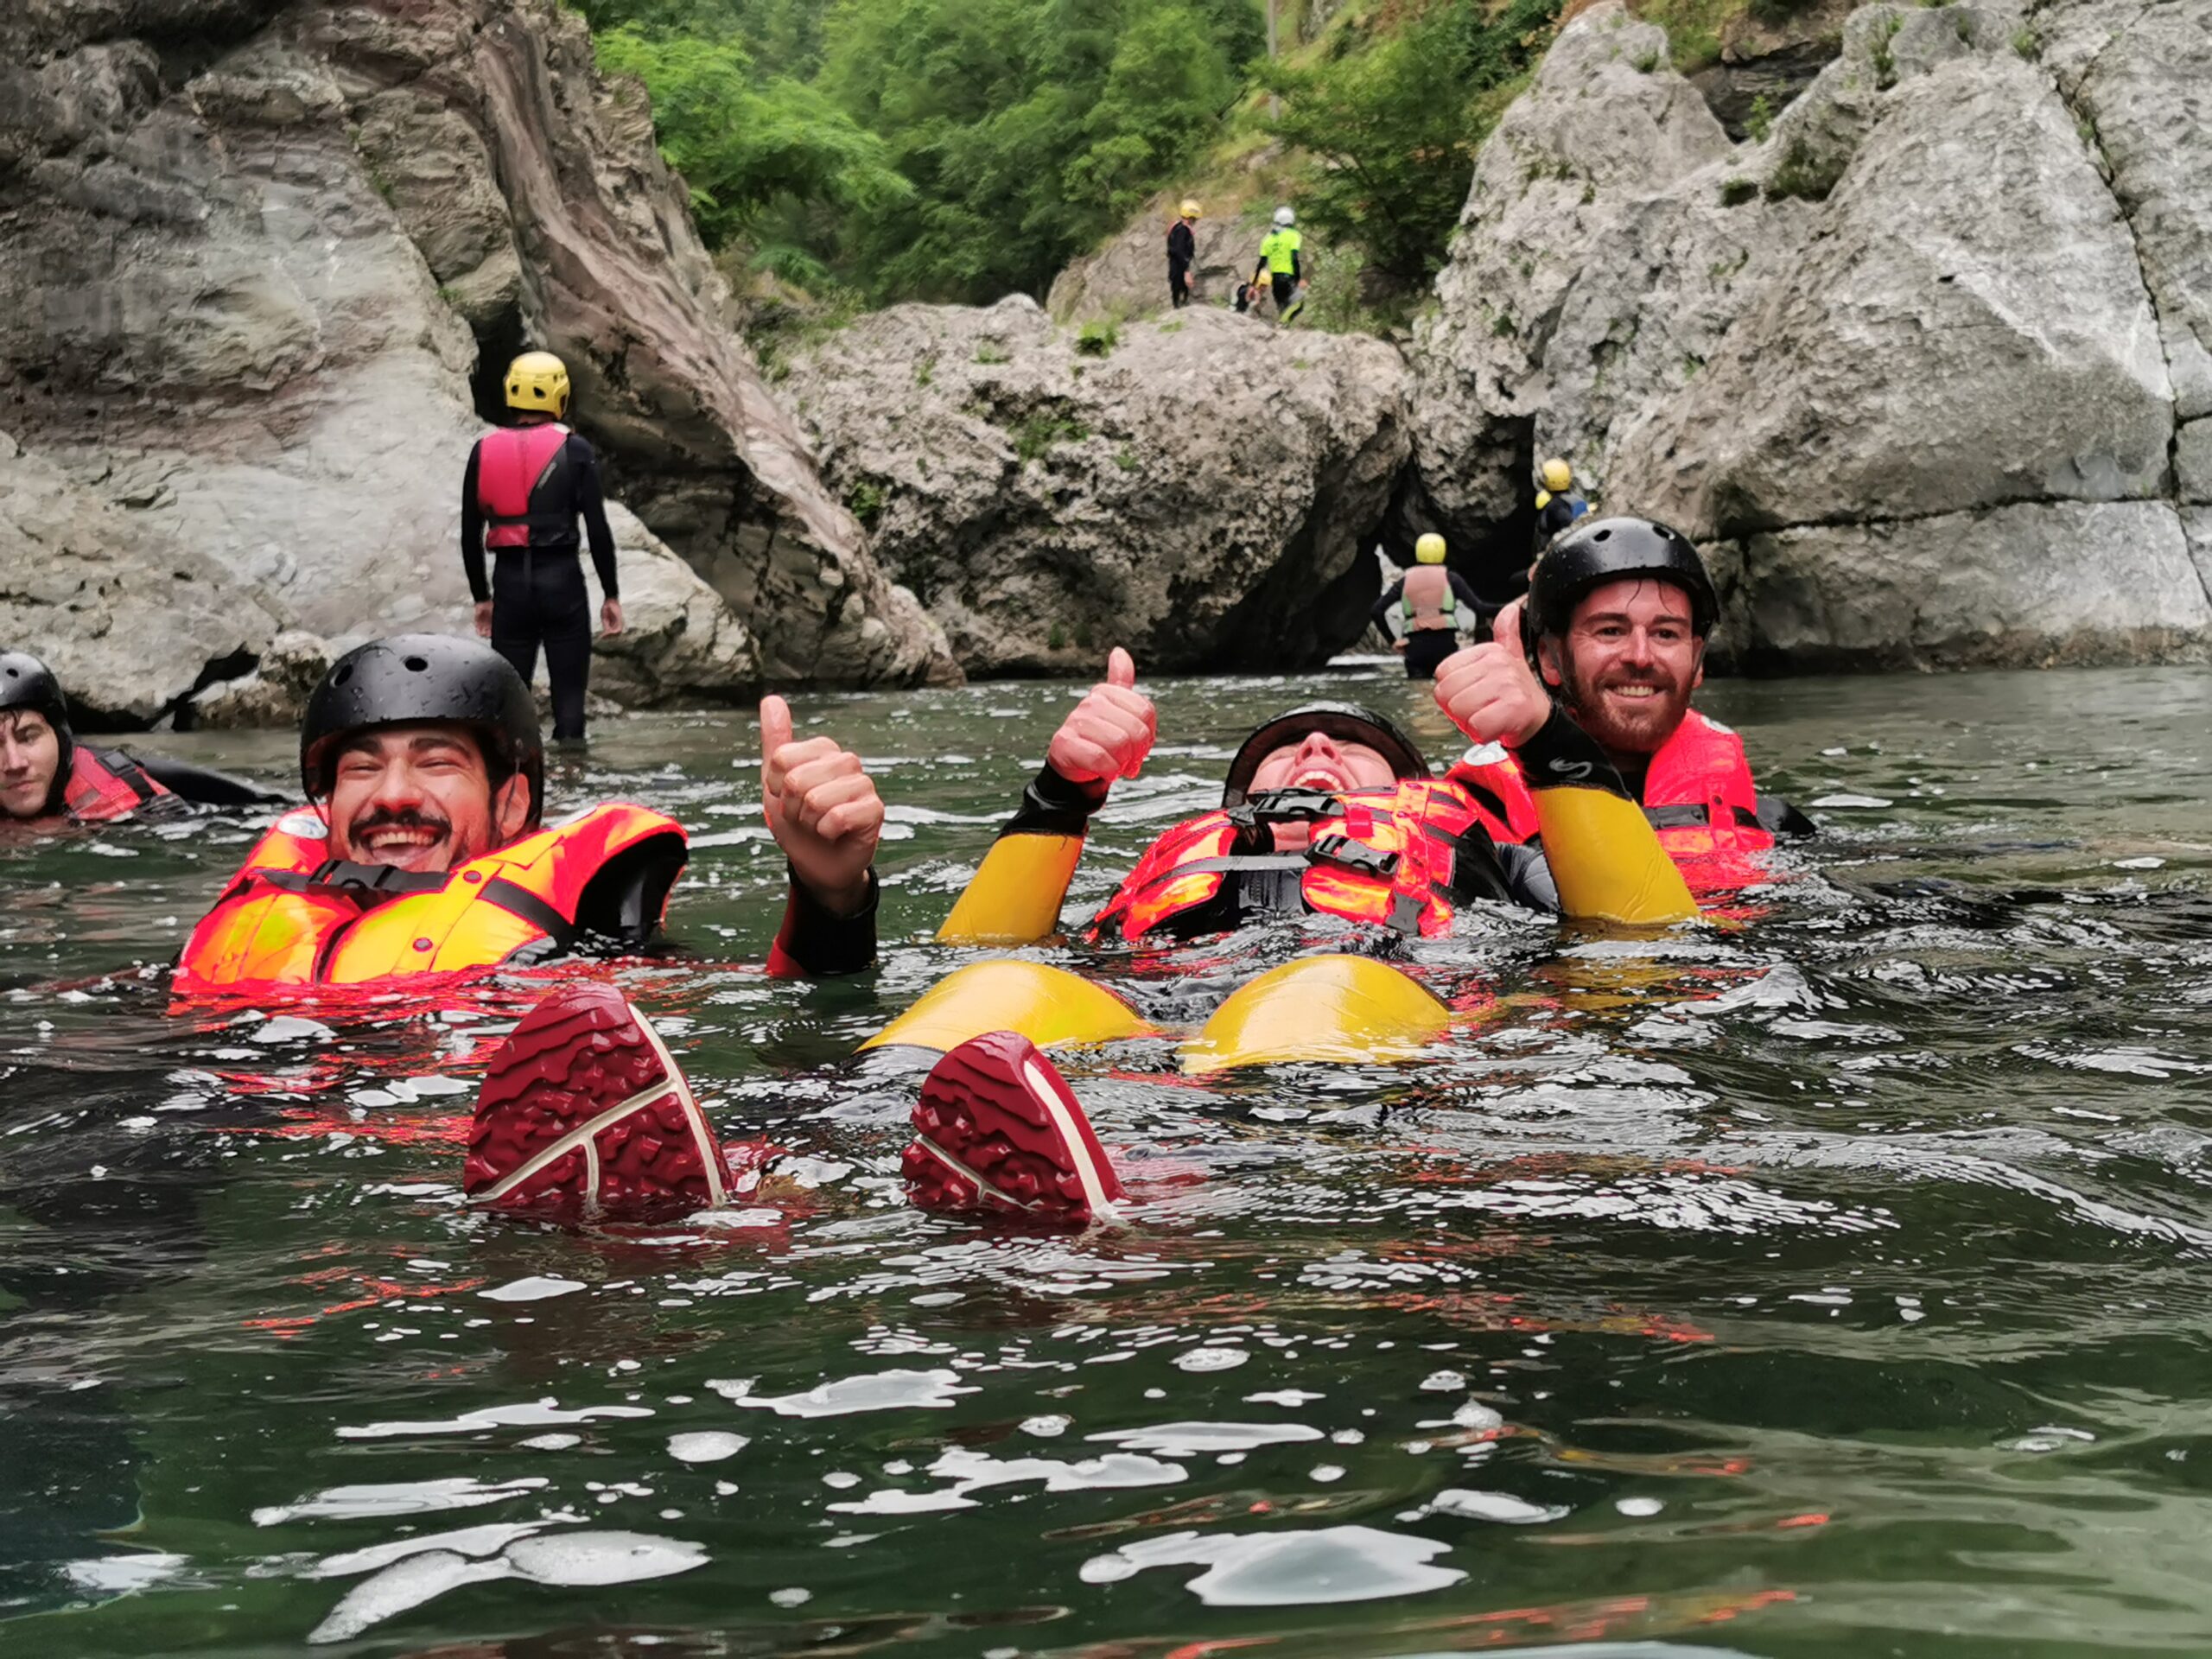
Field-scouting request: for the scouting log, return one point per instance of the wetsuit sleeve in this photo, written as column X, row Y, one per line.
column 1385, row 611
column 1529, row 876
column 1014, row 897
column 815, row 942
column 1604, row 854
column 471, row 530
column 591, row 502
column 1464, row 592
column 205, row 786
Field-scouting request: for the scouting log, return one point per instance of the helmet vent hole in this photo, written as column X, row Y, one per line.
column 417, row 665
column 343, row 674
column 1603, row 535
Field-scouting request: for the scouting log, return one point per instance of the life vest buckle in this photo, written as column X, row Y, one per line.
column 1349, row 854
column 1285, row 806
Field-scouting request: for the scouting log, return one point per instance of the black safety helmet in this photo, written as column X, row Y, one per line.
column 27, row 682
column 1345, row 722
column 425, row 677
column 1596, row 551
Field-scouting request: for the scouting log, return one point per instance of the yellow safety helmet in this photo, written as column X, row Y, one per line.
column 1190, row 207
column 1429, row 549
column 538, row 381
column 1558, row 475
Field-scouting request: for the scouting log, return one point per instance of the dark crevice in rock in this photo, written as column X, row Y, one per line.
column 1732, row 91
column 498, row 342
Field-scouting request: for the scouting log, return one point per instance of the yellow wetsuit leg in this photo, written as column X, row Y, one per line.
column 1606, row 858
column 1014, row 897
column 1047, row 1005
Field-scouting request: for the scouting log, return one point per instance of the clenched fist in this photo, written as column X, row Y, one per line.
column 1490, row 691
column 1111, row 732
column 822, row 808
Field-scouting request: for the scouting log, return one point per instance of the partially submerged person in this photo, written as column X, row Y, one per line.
column 1557, row 507
column 423, row 848
column 48, row 779
column 1614, row 629
column 1424, row 611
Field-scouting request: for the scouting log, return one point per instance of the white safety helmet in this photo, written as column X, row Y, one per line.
column 1285, row 218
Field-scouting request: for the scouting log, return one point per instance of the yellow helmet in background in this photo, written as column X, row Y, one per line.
column 1558, row 475
column 1190, row 207
column 1429, row 549
column 538, row 381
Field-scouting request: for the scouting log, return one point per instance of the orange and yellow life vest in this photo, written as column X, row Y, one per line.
column 1698, row 794
column 106, row 784
column 293, row 916
column 1405, row 857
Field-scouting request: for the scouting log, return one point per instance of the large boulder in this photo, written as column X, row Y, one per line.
column 1199, row 492
column 1127, row 278
column 1918, row 368
column 130, row 619
column 244, row 290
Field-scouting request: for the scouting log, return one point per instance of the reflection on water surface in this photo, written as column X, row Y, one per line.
column 1832, row 1283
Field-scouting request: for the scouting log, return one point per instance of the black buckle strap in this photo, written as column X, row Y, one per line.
column 369, row 883
column 1286, row 806
column 1349, row 854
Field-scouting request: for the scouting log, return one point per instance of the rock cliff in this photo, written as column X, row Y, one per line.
column 1926, row 371
column 1199, row 490
column 260, row 263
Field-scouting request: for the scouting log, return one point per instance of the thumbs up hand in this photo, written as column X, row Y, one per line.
column 1111, row 732
column 1490, row 691
column 822, row 808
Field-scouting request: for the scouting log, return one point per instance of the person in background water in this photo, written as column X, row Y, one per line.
column 1555, row 508
column 1280, row 267
column 1426, row 608
column 526, row 487
column 48, row 778
column 1182, row 254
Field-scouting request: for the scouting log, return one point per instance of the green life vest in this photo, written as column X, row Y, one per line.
column 1280, row 249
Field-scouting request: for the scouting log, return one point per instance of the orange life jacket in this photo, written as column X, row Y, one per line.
column 1698, row 794
column 515, row 466
column 1405, row 856
column 1428, row 602
column 106, row 784
column 292, row 916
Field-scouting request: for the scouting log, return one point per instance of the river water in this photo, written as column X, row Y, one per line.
column 1832, row 1281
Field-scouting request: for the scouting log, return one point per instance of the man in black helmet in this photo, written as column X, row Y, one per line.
column 1612, row 635
column 48, row 778
column 424, row 849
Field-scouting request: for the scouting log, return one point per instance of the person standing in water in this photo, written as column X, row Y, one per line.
column 526, row 487
column 1182, row 254
column 1556, row 508
column 1426, row 608
column 1281, row 266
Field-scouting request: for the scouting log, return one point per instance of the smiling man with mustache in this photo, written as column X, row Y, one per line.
column 1613, row 638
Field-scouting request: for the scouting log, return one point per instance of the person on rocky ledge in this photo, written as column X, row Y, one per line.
column 1182, row 254
column 525, row 488
column 48, row 779
column 1423, row 611
column 422, row 848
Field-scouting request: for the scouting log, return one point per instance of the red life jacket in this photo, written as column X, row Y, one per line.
column 1428, row 602
column 106, row 783
column 1391, row 855
column 1698, row 794
column 522, row 484
column 287, row 917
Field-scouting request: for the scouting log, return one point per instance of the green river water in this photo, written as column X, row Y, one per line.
column 1829, row 1283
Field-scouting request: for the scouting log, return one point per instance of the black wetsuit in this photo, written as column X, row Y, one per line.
column 536, row 590
column 1556, row 515
column 1182, row 253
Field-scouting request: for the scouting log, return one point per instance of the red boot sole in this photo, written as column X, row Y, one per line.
column 998, row 1129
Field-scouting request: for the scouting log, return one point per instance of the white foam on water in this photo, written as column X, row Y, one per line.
column 897, row 1390
column 540, row 1414
column 536, row 1288
column 399, row 1498
column 551, row 1442
column 403, row 1586
column 120, row 1574
column 1292, row 1398
column 485, row 1539
column 1282, row 1569
column 1210, row 1359
column 1501, row 1507
column 975, row 1471
column 287, row 1028
column 1196, row 1439
column 706, row 1445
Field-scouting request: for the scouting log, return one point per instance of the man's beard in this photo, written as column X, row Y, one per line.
column 431, row 836
column 1627, row 727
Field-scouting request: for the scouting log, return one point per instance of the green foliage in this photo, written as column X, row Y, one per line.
column 989, row 351
column 1396, row 127
column 2028, row 43
column 744, row 143
column 1804, row 173
column 1759, row 124
column 1038, row 432
column 1097, row 338
column 864, row 502
column 1734, row 192
column 1885, row 64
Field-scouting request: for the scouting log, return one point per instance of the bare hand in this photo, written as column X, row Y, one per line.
column 1490, row 691
column 822, row 808
column 1111, row 732
column 610, row 617
column 1397, row 644
column 483, row 619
